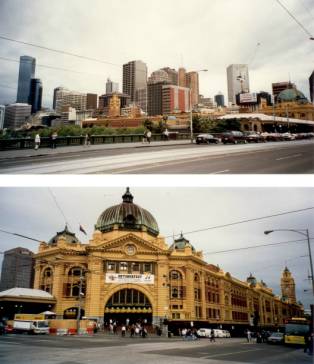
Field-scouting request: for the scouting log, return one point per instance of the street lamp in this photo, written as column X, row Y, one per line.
column 304, row 232
column 191, row 109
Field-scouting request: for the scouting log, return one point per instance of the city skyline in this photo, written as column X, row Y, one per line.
column 268, row 51
column 178, row 210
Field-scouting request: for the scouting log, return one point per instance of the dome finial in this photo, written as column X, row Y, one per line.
column 127, row 197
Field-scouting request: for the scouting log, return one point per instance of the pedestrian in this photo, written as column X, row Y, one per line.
column 148, row 136
column 87, row 139
column 258, row 338
column 54, row 137
column 37, row 141
column 132, row 331
column 123, row 330
column 144, row 137
column 166, row 134
column 212, row 336
column 248, row 335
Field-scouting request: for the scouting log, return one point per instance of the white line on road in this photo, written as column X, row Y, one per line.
column 232, row 353
column 225, row 171
column 289, row 157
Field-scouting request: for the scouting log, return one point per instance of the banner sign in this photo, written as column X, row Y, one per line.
column 129, row 278
column 248, row 98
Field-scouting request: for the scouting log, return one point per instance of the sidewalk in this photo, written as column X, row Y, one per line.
column 23, row 153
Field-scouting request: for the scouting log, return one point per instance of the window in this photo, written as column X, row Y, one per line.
column 123, row 266
column 111, row 266
column 135, row 267
column 147, row 267
column 176, row 315
column 175, row 275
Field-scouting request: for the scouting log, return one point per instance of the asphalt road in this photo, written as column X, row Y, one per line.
column 116, row 350
column 296, row 157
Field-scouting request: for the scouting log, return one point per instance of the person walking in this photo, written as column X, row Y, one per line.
column 148, row 136
column 123, row 330
column 54, row 137
column 37, row 141
column 166, row 134
column 248, row 335
column 212, row 336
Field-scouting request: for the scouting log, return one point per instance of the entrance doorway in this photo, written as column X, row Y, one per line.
column 128, row 306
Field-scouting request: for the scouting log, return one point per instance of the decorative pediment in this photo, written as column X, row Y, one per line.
column 129, row 244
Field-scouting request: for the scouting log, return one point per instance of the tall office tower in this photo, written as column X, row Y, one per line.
column 65, row 98
column 2, row 113
column 238, row 81
column 281, row 86
column 220, row 99
column 35, row 95
column 17, row 269
column 26, row 73
column 175, row 99
column 158, row 76
column 172, row 75
column 111, row 86
column 311, row 81
column 16, row 115
column 134, row 77
column 91, row 101
column 182, row 77
column 192, row 83
column 154, row 98
column 288, row 286
column 141, row 98
column 56, row 91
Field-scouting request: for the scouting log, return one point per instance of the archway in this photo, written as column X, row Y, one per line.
column 128, row 306
column 71, row 313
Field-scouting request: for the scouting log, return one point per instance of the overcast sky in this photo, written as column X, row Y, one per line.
column 33, row 212
column 195, row 34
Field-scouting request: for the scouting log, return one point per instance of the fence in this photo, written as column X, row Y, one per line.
column 28, row 143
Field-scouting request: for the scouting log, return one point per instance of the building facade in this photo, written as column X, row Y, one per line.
column 311, row 81
column 91, row 101
column 17, row 269
column 26, row 73
column 111, row 104
column 175, row 99
column 237, row 81
column 2, row 114
column 64, row 98
column 127, row 270
column 154, row 98
column 134, row 77
column 111, row 86
column 16, row 115
column 172, row 75
column 182, row 77
column 36, row 94
column 192, row 83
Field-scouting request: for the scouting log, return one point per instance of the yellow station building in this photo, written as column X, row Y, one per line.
column 128, row 271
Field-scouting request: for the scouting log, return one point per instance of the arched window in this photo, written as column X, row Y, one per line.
column 75, row 279
column 46, row 280
column 175, row 275
column 196, row 277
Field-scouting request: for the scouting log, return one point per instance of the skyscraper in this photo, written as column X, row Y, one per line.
column 193, row 84
column 35, row 95
column 111, row 86
column 17, row 269
column 182, row 77
column 26, row 73
column 134, row 77
column 311, row 80
column 238, row 81
column 220, row 99
column 172, row 75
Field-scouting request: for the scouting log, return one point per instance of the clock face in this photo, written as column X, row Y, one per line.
column 130, row 249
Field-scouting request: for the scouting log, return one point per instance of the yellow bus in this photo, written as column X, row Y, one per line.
column 295, row 330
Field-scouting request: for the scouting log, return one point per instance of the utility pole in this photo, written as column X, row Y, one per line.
column 79, row 309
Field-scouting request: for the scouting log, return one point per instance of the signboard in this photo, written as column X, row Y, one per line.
column 28, row 316
column 129, row 278
column 248, row 98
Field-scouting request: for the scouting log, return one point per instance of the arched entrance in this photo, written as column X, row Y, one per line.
column 128, row 306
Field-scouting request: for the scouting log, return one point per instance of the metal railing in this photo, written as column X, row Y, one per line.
column 63, row 141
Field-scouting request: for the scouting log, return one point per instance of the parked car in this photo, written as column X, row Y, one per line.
column 288, row 136
column 233, row 137
column 253, row 137
column 275, row 338
column 226, row 333
column 204, row 332
column 273, row 137
column 206, row 138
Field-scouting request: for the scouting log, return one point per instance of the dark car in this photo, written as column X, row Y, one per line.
column 233, row 137
column 206, row 138
column 253, row 137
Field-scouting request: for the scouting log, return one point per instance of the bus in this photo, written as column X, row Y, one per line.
column 295, row 330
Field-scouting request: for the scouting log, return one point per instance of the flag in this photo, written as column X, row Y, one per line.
column 82, row 230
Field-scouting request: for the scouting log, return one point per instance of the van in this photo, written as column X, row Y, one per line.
column 204, row 332
column 31, row 326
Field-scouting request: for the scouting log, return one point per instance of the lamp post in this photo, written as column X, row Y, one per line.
column 304, row 232
column 191, row 109
column 79, row 309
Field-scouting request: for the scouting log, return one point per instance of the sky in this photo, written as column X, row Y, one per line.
column 33, row 212
column 197, row 34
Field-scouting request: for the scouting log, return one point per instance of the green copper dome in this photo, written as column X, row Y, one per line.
column 127, row 216
column 66, row 234
column 181, row 243
column 291, row 94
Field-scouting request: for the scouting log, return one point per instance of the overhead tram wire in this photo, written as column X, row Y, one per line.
column 295, row 19
column 20, row 235
column 59, row 208
column 59, row 51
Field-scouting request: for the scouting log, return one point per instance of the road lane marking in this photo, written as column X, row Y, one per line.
column 225, row 171
column 289, row 157
column 232, row 353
